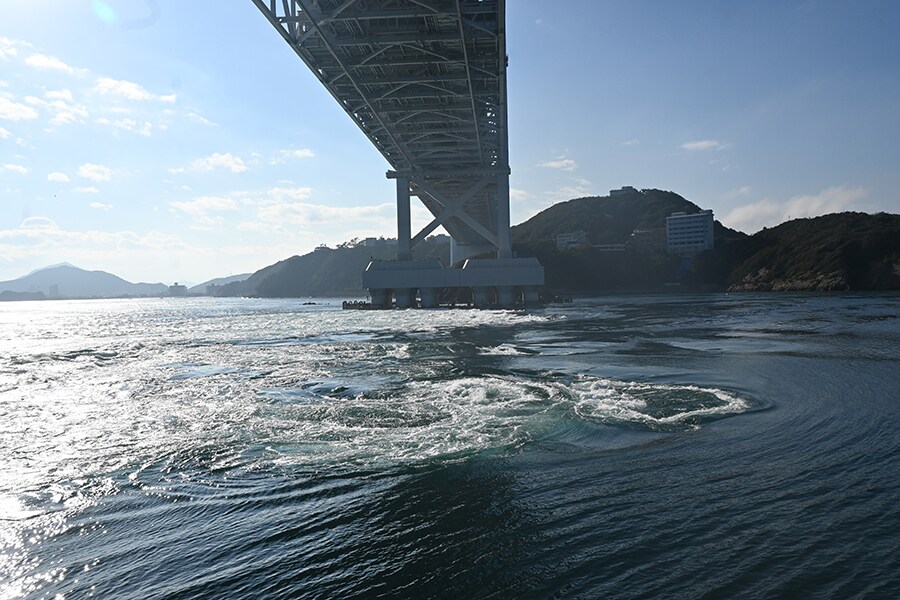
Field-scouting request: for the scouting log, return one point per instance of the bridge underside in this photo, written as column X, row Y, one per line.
column 425, row 80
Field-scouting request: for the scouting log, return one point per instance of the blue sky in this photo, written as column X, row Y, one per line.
column 167, row 141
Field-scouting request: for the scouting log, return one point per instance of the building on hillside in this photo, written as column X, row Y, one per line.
column 689, row 234
column 177, row 290
column 371, row 242
column 647, row 241
column 573, row 239
column 623, row 191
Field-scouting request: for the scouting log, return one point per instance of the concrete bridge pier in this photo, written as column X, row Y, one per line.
column 506, row 296
column 380, row 298
column 428, row 297
column 405, row 298
column 481, row 297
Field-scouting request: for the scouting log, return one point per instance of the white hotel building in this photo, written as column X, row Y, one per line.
column 688, row 234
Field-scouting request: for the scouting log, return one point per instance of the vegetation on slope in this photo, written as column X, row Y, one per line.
column 611, row 220
column 842, row 251
column 327, row 271
column 607, row 219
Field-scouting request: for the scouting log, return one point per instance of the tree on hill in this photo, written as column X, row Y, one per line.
column 841, row 251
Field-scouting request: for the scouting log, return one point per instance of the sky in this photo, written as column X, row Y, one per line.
column 173, row 141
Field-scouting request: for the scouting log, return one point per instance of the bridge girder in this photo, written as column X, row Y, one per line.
column 425, row 81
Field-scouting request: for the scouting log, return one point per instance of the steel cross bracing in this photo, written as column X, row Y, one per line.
column 425, row 80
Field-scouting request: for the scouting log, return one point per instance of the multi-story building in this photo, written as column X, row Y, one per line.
column 689, row 234
column 574, row 239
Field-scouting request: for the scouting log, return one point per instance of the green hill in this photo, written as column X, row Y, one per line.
column 842, row 251
column 328, row 272
column 612, row 220
column 607, row 219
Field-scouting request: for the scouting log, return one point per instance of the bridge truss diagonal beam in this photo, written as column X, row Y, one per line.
column 425, row 81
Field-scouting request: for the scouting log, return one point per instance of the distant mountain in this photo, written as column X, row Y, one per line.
column 66, row 281
column 200, row 288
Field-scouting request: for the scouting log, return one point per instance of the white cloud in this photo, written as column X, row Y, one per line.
column 16, row 169
column 562, row 163
column 294, row 193
column 215, row 161
column 4, row 134
column 7, row 48
column 87, row 190
column 742, row 191
column 58, row 177
column 199, row 208
column 284, row 155
column 515, row 194
column 34, row 223
column 310, row 215
column 128, row 90
column 703, row 145
column 59, row 95
column 767, row 213
column 42, row 61
column 63, row 112
column 95, row 172
column 142, row 128
column 100, row 206
column 200, row 119
column 13, row 111
column 633, row 142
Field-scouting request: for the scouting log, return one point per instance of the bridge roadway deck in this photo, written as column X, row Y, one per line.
column 426, row 82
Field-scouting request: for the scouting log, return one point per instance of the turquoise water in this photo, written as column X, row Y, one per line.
column 716, row 446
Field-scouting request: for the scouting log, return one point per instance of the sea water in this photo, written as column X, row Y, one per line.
column 710, row 446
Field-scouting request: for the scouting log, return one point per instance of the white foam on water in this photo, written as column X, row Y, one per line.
column 501, row 350
column 652, row 403
column 419, row 421
column 448, row 419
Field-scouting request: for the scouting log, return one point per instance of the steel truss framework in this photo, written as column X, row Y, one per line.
column 425, row 80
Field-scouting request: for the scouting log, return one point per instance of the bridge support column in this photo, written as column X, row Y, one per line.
column 504, row 244
column 404, row 231
column 405, row 298
column 480, row 296
column 381, row 298
column 428, row 297
column 531, row 296
column 506, row 296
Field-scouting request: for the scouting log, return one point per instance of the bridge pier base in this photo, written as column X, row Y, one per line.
column 506, row 283
column 428, row 297
column 506, row 296
column 381, row 298
column 405, row 298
